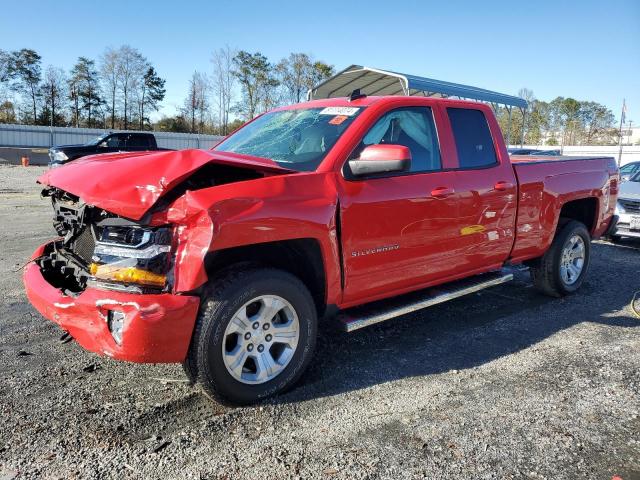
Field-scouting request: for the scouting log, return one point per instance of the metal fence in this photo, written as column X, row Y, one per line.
column 44, row 137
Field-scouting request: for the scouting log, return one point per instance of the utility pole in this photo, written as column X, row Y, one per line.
column 622, row 115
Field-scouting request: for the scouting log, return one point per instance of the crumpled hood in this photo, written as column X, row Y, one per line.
column 129, row 184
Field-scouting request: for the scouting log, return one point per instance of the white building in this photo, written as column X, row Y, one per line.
column 630, row 135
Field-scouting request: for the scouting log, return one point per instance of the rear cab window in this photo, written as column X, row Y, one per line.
column 138, row 141
column 473, row 139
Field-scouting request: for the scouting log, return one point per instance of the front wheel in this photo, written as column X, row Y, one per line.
column 254, row 337
column 562, row 269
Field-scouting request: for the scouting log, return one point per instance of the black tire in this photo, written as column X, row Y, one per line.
column 220, row 301
column 545, row 271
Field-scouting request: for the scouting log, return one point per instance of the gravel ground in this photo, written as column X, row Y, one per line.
column 502, row 384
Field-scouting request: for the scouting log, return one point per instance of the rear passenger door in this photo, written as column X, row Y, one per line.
column 486, row 190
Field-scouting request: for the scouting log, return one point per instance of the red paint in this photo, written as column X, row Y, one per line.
column 157, row 327
column 385, row 152
column 129, row 184
column 397, row 234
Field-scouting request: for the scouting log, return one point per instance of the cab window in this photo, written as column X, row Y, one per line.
column 412, row 127
column 114, row 141
column 474, row 143
column 138, row 141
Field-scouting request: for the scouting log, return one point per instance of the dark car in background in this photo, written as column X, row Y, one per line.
column 108, row 143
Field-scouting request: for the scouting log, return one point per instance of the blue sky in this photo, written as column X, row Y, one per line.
column 589, row 50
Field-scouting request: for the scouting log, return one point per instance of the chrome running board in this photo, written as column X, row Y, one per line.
column 376, row 312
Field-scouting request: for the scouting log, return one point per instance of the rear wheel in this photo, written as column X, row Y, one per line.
column 561, row 270
column 254, row 337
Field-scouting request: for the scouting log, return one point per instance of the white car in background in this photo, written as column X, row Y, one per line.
column 628, row 209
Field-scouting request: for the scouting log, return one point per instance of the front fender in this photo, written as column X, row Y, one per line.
column 257, row 211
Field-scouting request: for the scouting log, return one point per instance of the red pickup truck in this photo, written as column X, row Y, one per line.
column 224, row 260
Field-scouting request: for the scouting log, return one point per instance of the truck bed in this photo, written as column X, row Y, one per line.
column 527, row 159
column 545, row 184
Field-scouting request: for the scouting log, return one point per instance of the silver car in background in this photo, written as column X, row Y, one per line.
column 629, row 170
column 628, row 209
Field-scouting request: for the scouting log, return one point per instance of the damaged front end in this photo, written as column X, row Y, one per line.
column 99, row 249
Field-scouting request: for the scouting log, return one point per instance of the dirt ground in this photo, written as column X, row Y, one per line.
column 501, row 384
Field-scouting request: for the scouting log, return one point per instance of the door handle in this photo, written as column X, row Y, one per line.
column 442, row 192
column 502, row 186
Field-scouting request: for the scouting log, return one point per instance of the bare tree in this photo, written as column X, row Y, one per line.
column 223, row 82
column 293, row 72
column 299, row 73
column 196, row 104
column 109, row 71
column 190, row 108
column 53, row 93
column 320, row 71
column 132, row 67
column 258, row 83
column 74, row 96
column 203, row 87
column 84, row 91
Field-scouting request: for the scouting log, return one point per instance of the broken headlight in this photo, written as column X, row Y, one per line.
column 131, row 258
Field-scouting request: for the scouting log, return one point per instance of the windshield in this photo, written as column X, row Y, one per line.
column 296, row 139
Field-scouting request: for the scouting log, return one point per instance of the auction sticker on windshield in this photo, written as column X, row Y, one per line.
column 348, row 111
column 338, row 119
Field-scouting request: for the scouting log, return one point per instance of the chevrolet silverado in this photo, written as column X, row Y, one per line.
column 225, row 260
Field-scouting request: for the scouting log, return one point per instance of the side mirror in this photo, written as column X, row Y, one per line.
column 102, row 145
column 381, row 158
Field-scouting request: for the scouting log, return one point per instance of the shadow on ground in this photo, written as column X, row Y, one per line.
column 469, row 331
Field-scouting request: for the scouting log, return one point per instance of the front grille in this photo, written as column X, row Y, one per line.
column 84, row 245
column 630, row 206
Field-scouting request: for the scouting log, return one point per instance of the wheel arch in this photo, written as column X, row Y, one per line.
column 301, row 257
column 583, row 210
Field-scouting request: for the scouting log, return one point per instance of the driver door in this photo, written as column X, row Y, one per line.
column 399, row 231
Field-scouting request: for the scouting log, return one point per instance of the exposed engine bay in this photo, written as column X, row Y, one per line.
column 66, row 261
column 101, row 248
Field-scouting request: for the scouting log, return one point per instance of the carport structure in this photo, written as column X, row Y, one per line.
column 373, row 81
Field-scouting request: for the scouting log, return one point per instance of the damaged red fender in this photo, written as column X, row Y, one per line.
column 276, row 208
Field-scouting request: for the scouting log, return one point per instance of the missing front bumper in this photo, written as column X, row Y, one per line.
column 157, row 328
